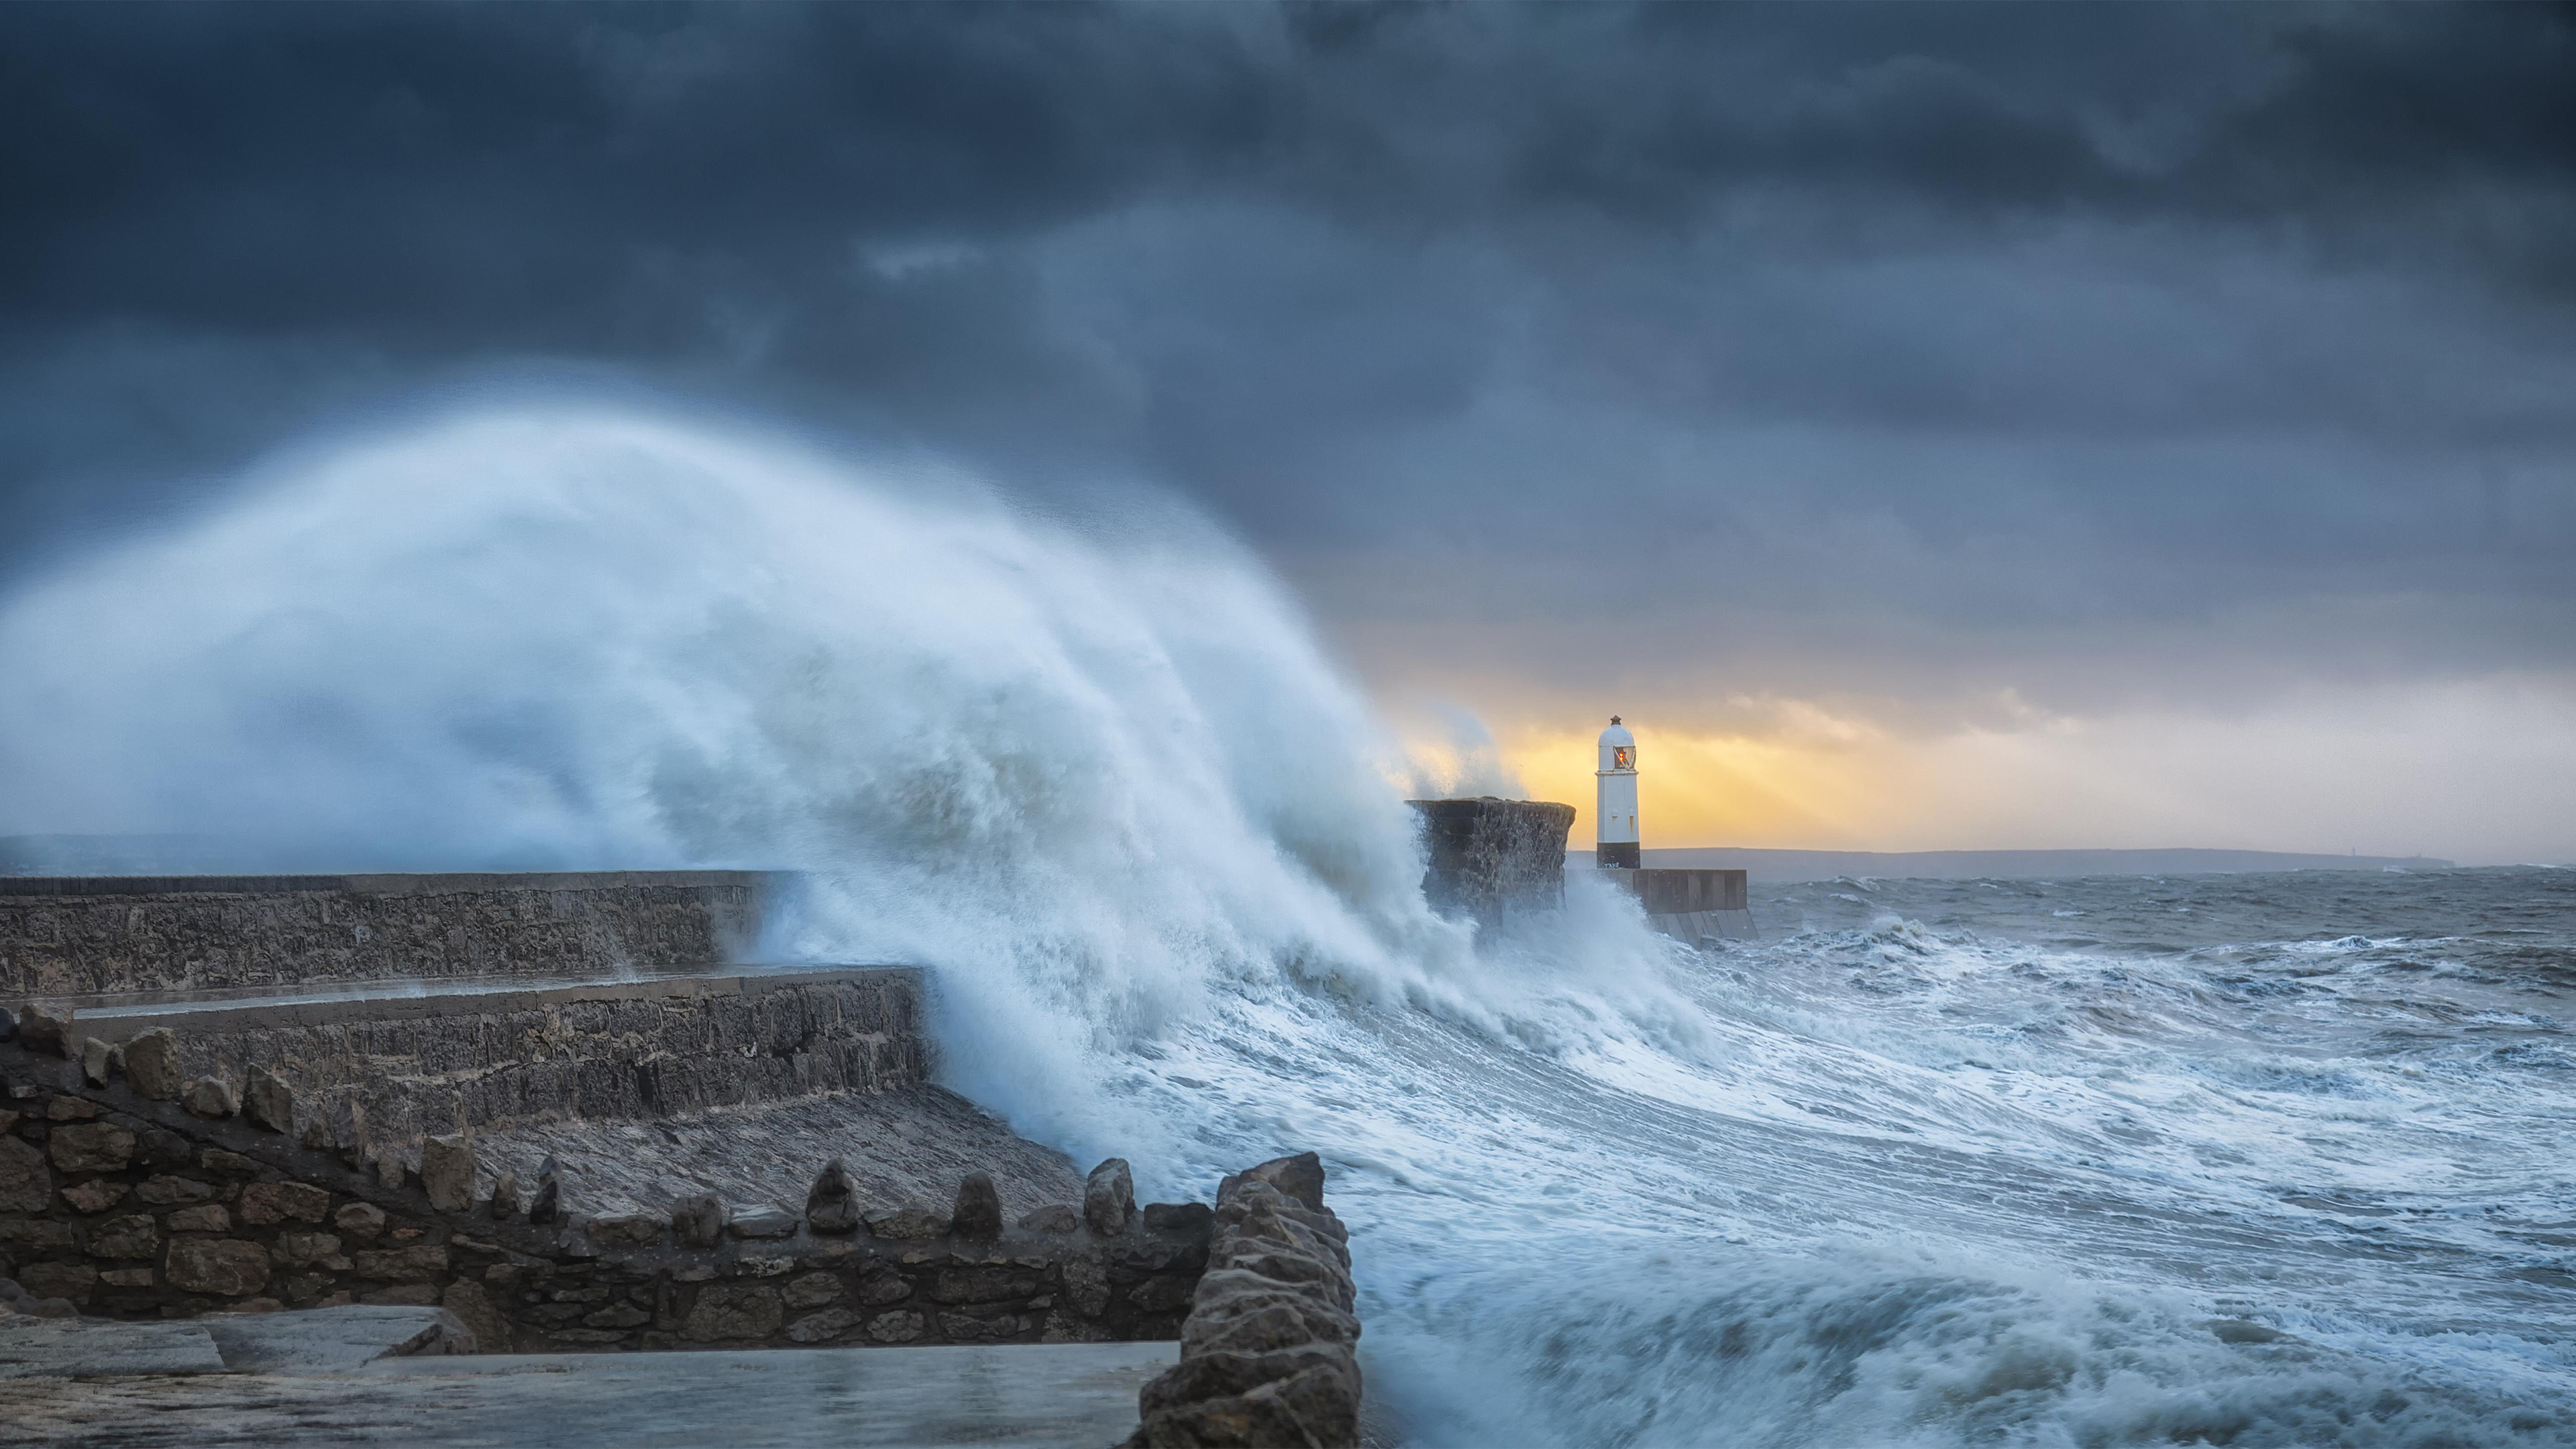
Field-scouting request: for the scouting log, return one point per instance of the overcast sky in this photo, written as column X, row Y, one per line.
column 2012, row 395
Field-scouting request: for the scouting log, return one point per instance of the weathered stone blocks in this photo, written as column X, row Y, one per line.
column 96, row 1195
column 734, row 1310
column 823, row 1327
column 361, row 1220
column 628, row 1230
column 1055, row 1220
column 152, row 1064
column 134, row 1236
column 1300, row 1177
column 994, row 1283
column 978, row 1211
column 205, row 1217
column 447, row 1172
column 418, row 1261
column 762, row 1222
column 832, row 1205
column 208, row 1097
column 414, row 1295
column 881, row 1288
column 547, row 1205
column 1109, row 1197
column 1180, row 1217
column 896, row 1327
column 1267, row 1354
column 813, row 1290
column 36, row 1235
column 40, row 1029
column 25, row 1184
column 698, row 1221
column 90, row 1147
column 317, row 1250
column 164, row 1189
column 69, row 1281
column 912, row 1222
column 1086, row 1287
column 265, row 1203
column 221, row 1266
column 268, row 1102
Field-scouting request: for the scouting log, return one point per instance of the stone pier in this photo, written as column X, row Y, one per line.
column 1691, row 905
column 1492, row 859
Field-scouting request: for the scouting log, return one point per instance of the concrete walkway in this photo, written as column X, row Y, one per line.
column 310, row 1379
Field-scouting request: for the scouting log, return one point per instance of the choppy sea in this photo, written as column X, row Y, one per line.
column 2242, row 1160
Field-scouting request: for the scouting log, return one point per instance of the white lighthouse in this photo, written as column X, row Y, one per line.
column 1615, row 821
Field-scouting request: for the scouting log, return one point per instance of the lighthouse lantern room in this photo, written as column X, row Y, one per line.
column 1615, row 821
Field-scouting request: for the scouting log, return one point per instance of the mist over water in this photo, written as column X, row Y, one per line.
column 2252, row 1160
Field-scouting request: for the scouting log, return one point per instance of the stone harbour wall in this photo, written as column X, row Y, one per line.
column 447, row 1062
column 76, row 936
column 120, row 1204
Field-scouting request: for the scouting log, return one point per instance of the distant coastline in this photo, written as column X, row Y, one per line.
column 1783, row 866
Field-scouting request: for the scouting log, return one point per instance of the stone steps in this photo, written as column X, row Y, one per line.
column 484, row 1053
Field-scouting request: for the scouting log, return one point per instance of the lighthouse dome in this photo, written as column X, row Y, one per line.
column 1618, row 747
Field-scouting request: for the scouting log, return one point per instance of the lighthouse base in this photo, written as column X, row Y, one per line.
column 1619, row 854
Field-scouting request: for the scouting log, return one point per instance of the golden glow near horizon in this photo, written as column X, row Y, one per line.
column 2380, row 773
column 1732, row 789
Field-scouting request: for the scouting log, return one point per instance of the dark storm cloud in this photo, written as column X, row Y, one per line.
column 1914, row 332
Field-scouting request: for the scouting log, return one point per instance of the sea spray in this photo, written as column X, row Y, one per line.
column 1089, row 776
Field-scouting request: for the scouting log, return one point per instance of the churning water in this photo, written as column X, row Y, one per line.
column 2278, row 1160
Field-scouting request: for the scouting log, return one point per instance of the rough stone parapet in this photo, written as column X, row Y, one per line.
column 125, row 1206
column 79, row 936
column 1269, row 1352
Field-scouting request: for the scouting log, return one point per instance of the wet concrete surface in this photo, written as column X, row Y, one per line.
column 1034, row 1395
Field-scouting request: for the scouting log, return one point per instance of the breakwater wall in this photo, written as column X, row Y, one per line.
column 1490, row 859
column 117, row 1202
column 1691, row 905
column 82, row 936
